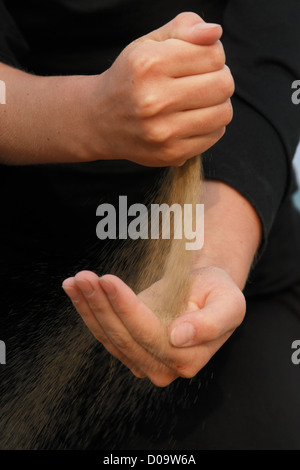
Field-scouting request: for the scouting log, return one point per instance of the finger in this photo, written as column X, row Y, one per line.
column 197, row 92
column 182, row 59
column 184, row 362
column 150, row 332
column 198, row 356
column 79, row 302
column 116, row 331
column 122, row 358
column 188, row 27
column 198, row 122
column 139, row 320
column 222, row 314
column 189, row 147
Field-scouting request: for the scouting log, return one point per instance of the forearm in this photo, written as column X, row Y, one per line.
column 44, row 118
column 232, row 231
column 165, row 99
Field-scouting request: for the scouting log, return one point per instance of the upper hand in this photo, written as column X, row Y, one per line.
column 166, row 98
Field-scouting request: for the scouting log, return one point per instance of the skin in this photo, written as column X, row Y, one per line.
column 164, row 100
column 215, row 305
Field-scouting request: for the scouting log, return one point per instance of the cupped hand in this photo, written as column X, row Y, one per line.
column 131, row 332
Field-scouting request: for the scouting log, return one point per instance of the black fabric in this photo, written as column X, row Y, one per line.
column 261, row 44
column 13, row 46
column 263, row 55
column 247, row 396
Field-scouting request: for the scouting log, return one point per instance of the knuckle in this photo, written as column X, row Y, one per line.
column 227, row 113
column 160, row 380
column 95, row 306
column 144, row 59
column 214, row 137
column 239, row 304
column 186, row 371
column 186, row 17
column 210, row 330
column 100, row 338
column 120, row 341
column 220, row 133
column 169, row 156
column 180, row 162
column 227, row 82
column 137, row 373
column 178, row 151
column 148, row 105
column 157, row 133
column 217, row 56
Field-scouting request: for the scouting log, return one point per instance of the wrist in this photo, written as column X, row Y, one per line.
column 232, row 232
column 89, row 135
column 237, row 271
column 80, row 128
column 63, row 117
column 45, row 119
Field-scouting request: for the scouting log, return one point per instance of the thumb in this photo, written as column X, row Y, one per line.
column 187, row 27
column 221, row 315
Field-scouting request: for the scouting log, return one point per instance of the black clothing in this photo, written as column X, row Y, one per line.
column 48, row 233
column 262, row 49
column 246, row 398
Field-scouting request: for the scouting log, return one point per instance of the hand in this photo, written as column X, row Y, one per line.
column 166, row 98
column 131, row 332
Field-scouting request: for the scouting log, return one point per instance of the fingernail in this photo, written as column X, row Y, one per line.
column 205, row 26
column 67, row 288
column 108, row 287
column 70, row 291
column 84, row 286
column 183, row 334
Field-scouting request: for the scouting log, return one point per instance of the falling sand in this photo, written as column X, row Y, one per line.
column 73, row 395
column 169, row 259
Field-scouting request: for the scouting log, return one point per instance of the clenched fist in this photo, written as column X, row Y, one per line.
column 166, row 98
